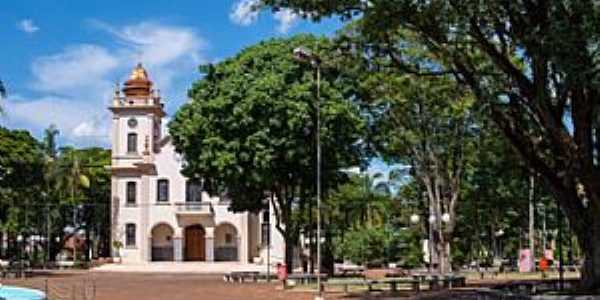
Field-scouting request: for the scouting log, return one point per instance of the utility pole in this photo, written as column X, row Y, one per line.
column 306, row 55
column 48, row 236
column 269, row 239
column 561, row 270
column 532, row 218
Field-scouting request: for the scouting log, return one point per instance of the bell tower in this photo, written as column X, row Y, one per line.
column 137, row 120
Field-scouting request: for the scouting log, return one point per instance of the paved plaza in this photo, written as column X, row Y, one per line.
column 133, row 286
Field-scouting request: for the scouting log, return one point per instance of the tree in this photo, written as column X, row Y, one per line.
column 2, row 93
column 21, row 175
column 426, row 123
column 494, row 199
column 2, row 90
column 20, row 159
column 249, row 130
column 50, row 143
column 534, row 63
column 364, row 216
column 70, row 176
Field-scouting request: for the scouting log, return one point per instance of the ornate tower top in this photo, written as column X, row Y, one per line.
column 139, row 73
column 137, row 94
column 138, row 84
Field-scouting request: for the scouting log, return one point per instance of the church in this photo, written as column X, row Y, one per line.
column 157, row 213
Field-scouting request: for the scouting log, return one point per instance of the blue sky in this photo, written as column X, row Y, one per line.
column 60, row 59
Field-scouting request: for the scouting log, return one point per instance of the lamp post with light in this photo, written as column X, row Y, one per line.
column 21, row 245
column 305, row 55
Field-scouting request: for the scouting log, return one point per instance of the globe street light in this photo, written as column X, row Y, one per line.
column 446, row 218
column 305, row 55
column 414, row 219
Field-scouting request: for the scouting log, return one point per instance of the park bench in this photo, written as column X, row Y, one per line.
column 306, row 278
column 241, row 276
column 349, row 270
column 65, row 264
column 393, row 283
column 250, row 276
column 436, row 282
column 15, row 271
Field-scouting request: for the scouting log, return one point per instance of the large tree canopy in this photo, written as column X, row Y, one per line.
column 21, row 159
column 533, row 62
column 21, row 175
column 249, row 129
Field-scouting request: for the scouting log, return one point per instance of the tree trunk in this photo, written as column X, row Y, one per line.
column 289, row 253
column 444, row 255
column 582, row 210
column 590, row 246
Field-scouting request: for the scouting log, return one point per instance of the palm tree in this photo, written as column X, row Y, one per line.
column 70, row 175
column 367, row 198
column 50, row 135
column 2, row 93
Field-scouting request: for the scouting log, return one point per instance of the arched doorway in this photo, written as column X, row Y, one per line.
column 226, row 243
column 194, row 243
column 162, row 243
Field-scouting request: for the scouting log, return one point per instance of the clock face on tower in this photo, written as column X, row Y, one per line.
column 132, row 123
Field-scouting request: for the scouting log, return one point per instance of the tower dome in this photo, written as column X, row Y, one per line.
column 138, row 84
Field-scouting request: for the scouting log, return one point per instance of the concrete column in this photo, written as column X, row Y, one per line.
column 115, row 214
column 149, row 248
column 178, row 244
column 209, row 244
column 144, row 207
column 243, row 246
column 238, row 246
column 178, row 248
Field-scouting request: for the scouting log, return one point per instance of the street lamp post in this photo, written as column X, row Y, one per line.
column 266, row 228
column 20, row 245
column 561, row 270
column 305, row 55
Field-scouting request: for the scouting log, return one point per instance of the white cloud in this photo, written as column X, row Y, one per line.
column 79, row 122
column 165, row 51
column 156, row 44
column 72, row 88
column 91, row 128
column 77, row 66
column 286, row 18
column 245, row 12
column 27, row 26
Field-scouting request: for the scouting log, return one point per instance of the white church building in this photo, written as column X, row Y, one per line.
column 157, row 213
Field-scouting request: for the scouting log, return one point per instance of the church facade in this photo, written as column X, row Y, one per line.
column 157, row 213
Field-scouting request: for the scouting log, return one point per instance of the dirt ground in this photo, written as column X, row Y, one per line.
column 134, row 286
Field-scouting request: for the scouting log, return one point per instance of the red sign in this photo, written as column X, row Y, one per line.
column 543, row 264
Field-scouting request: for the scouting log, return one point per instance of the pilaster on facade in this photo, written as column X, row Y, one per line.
column 210, row 244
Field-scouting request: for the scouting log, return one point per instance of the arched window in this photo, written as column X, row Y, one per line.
column 162, row 190
column 132, row 143
column 193, row 191
column 130, row 235
column 131, row 193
